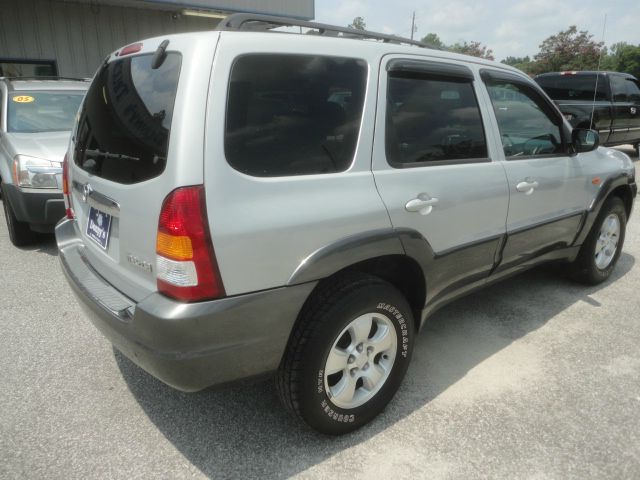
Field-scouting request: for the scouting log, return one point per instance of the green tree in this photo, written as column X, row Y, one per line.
column 358, row 24
column 475, row 49
column 521, row 63
column 624, row 58
column 433, row 40
column 568, row 50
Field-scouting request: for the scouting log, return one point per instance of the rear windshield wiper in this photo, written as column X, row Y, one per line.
column 115, row 156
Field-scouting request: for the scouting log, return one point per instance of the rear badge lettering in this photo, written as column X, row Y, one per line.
column 133, row 260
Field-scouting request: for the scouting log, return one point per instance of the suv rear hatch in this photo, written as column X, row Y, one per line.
column 133, row 144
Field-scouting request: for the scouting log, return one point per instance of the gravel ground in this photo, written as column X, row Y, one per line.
column 536, row 377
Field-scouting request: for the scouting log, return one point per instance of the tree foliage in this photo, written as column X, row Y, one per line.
column 433, row 40
column 624, row 58
column 568, row 50
column 521, row 63
column 358, row 24
column 475, row 49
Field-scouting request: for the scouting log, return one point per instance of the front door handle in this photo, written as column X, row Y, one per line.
column 527, row 186
column 423, row 204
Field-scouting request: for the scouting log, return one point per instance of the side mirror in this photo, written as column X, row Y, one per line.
column 584, row 140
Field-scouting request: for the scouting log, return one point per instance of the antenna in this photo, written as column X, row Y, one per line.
column 595, row 91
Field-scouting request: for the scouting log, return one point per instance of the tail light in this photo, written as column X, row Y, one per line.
column 66, row 191
column 187, row 269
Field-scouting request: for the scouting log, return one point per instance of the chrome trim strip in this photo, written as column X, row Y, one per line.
column 103, row 203
column 97, row 200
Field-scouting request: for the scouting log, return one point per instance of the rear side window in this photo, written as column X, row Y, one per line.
column 574, row 87
column 432, row 120
column 293, row 114
column 123, row 131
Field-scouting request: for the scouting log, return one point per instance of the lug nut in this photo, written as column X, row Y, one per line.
column 354, row 371
column 369, row 350
column 366, row 365
column 360, row 347
column 351, row 359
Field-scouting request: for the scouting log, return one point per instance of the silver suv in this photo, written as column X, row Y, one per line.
column 245, row 201
column 36, row 118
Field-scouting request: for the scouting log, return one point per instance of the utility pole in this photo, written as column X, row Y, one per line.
column 413, row 24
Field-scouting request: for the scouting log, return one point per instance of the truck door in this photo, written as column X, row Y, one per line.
column 623, row 110
column 633, row 97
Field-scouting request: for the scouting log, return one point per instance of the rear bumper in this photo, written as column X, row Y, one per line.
column 41, row 209
column 188, row 346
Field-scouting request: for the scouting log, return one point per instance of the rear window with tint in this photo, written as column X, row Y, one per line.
column 123, row 131
column 293, row 114
column 573, row 87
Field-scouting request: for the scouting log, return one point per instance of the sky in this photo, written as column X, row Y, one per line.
column 509, row 28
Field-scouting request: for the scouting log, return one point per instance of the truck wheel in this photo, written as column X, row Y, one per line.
column 19, row 232
column 601, row 250
column 347, row 354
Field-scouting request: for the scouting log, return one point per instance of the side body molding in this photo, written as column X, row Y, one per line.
column 446, row 275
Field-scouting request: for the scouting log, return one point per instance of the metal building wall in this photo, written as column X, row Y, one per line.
column 80, row 35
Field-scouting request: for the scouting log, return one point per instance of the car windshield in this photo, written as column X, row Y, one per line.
column 31, row 112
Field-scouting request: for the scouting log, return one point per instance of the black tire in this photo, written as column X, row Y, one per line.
column 19, row 232
column 333, row 307
column 585, row 268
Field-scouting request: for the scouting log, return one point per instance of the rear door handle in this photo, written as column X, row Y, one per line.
column 423, row 204
column 527, row 186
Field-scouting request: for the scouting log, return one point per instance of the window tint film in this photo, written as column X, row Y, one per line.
column 293, row 114
column 123, row 131
column 633, row 90
column 32, row 112
column 525, row 128
column 432, row 119
column 574, row 87
column 619, row 88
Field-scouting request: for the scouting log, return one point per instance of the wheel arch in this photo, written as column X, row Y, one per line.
column 379, row 253
column 624, row 193
column 616, row 186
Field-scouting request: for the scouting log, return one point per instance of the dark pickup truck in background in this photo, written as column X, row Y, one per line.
column 616, row 109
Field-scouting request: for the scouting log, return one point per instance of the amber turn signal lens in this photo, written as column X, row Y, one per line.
column 174, row 247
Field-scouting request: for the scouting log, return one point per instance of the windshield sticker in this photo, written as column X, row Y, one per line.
column 23, row 99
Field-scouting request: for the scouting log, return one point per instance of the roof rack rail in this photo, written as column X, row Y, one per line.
column 265, row 23
column 43, row 77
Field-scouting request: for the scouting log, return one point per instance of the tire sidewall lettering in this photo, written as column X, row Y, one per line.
column 402, row 330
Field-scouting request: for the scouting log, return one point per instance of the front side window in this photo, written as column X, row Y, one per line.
column 432, row 119
column 525, row 127
column 633, row 90
column 39, row 111
column 124, row 126
column 619, row 88
column 293, row 114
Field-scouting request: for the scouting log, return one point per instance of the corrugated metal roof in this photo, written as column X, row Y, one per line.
column 302, row 9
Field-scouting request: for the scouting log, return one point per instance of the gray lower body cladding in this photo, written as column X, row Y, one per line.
column 41, row 209
column 188, row 346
